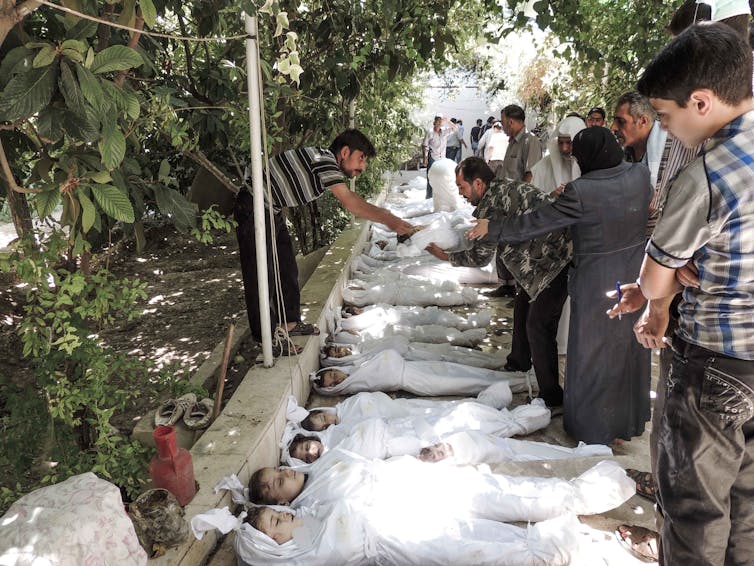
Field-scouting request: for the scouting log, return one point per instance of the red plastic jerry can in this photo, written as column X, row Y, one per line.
column 172, row 468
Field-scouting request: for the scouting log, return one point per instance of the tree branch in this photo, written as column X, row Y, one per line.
column 198, row 156
column 8, row 174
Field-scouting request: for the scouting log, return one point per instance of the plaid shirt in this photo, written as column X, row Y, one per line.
column 708, row 218
column 535, row 263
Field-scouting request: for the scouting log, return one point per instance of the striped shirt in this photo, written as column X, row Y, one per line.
column 674, row 158
column 299, row 176
column 709, row 218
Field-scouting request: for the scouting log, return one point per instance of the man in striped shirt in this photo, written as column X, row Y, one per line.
column 700, row 86
column 297, row 177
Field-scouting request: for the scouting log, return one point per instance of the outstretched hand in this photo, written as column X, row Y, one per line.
column 480, row 230
column 403, row 228
column 631, row 301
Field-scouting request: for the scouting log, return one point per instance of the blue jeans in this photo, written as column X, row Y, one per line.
column 705, row 459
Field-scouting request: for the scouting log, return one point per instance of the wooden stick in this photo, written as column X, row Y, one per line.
column 223, row 370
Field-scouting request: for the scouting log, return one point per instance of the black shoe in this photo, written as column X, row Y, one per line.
column 502, row 291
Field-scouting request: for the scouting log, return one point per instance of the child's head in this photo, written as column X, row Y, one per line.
column 306, row 448
column 330, row 378
column 275, row 486
column 278, row 525
column 697, row 79
column 319, row 420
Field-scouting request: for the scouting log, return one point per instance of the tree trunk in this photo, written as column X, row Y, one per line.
column 19, row 210
column 10, row 14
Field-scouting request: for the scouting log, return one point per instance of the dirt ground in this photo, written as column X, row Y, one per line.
column 193, row 292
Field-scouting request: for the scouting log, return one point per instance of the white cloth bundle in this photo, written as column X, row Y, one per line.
column 411, row 293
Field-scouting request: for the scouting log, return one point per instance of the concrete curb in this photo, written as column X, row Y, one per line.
column 245, row 436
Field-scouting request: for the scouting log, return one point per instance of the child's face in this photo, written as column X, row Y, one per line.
column 323, row 419
column 282, row 485
column 333, row 377
column 278, row 525
column 686, row 124
column 308, row 450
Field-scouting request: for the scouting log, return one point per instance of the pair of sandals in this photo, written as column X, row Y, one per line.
column 195, row 414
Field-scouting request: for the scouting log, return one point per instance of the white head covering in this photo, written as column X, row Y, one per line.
column 722, row 9
column 553, row 171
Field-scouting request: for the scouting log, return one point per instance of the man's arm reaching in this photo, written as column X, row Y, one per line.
column 361, row 208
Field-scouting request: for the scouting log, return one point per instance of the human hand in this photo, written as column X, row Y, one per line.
column 480, row 230
column 688, row 275
column 437, row 251
column 651, row 326
column 558, row 191
column 402, row 228
column 631, row 300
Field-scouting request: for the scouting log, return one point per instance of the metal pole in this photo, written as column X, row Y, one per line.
column 352, row 124
column 252, row 64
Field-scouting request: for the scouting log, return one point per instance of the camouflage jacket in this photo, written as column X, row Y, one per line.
column 535, row 263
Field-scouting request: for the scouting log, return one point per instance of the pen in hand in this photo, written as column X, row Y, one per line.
column 620, row 295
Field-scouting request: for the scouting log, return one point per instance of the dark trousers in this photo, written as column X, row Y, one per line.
column 502, row 272
column 430, row 161
column 535, row 336
column 291, row 296
column 705, row 459
column 454, row 153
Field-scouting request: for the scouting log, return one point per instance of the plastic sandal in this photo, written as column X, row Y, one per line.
column 171, row 411
column 645, row 483
column 199, row 414
column 303, row 329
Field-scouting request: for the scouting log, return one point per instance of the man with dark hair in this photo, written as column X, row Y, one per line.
column 524, row 149
column 523, row 152
column 700, row 86
column 543, row 280
column 596, row 117
column 475, row 135
column 297, row 177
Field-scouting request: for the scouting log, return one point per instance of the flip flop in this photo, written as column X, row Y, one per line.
column 171, row 411
column 640, row 542
column 303, row 329
column 645, row 483
column 199, row 414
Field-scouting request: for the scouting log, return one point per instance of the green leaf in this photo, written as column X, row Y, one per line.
column 73, row 54
column 133, row 108
column 175, row 206
column 87, row 212
column 116, row 58
column 100, row 176
column 16, row 61
column 76, row 45
column 69, row 86
column 84, row 126
column 51, row 123
column 27, row 93
column 164, row 170
column 148, row 11
column 82, row 29
column 89, row 58
column 90, row 86
column 113, row 202
column 46, row 202
column 45, row 56
column 112, row 147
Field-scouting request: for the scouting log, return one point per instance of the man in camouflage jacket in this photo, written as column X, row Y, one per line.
column 539, row 266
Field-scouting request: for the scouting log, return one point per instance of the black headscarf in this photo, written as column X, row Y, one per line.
column 596, row 148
